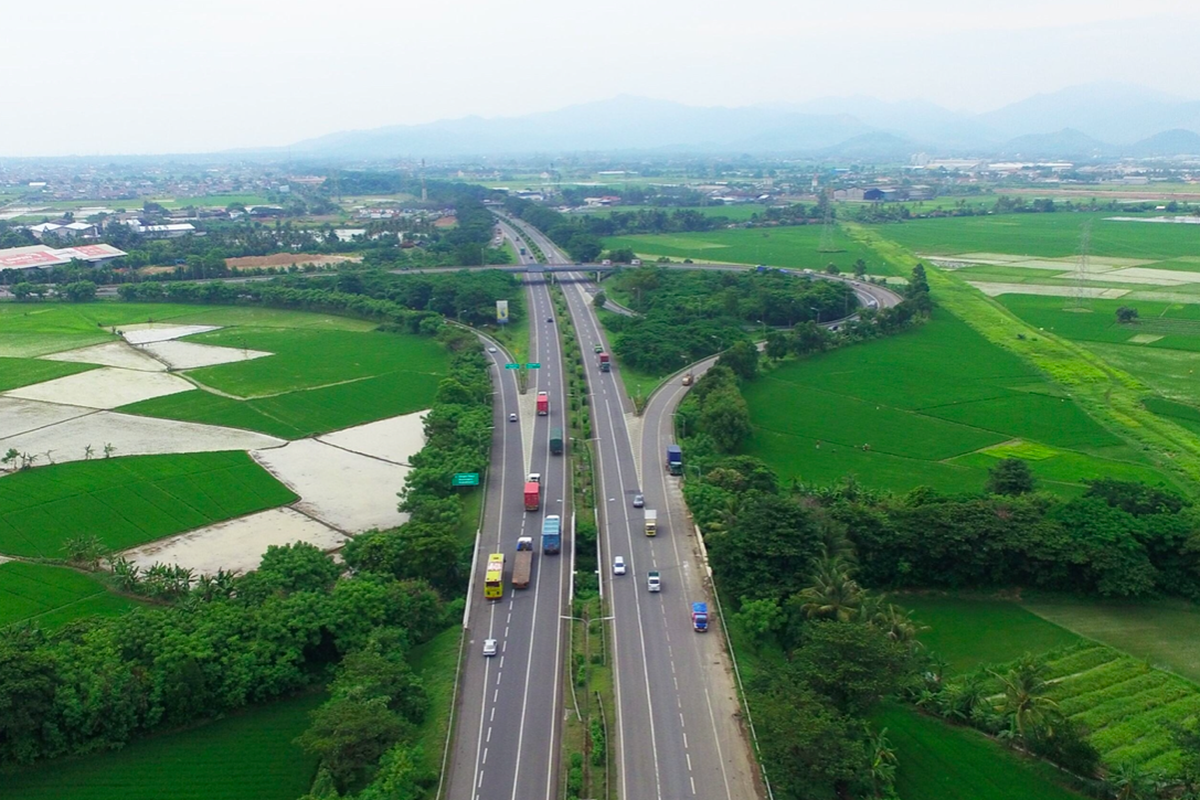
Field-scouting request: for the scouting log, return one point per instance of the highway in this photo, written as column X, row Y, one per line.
column 508, row 723
column 678, row 722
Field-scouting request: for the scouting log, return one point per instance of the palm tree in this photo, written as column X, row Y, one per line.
column 883, row 763
column 833, row 594
column 1025, row 704
column 1131, row 783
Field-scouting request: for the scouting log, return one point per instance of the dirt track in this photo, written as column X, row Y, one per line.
column 287, row 259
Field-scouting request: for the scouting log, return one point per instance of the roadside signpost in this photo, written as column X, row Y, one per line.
column 465, row 479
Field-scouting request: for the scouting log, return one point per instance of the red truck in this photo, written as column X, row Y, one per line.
column 533, row 496
column 605, row 365
column 543, row 404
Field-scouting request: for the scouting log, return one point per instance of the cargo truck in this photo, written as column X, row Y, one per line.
column 551, row 535
column 533, row 496
column 651, row 522
column 523, row 563
column 653, row 582
column 674, row 459
column 543, row 404
column 700, row 617
column 556, row 441
column 605, row 366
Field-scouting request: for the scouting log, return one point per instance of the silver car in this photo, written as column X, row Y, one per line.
column 489, row 647
column 639, row 501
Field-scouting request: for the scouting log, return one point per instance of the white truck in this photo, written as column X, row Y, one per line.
column 653, row 581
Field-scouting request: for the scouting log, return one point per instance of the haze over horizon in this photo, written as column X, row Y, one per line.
column 189, row 79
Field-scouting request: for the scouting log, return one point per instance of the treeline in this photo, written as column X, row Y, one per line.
column 801, row 569
column 98, row 682
column 412, row 303
column 1118, row 539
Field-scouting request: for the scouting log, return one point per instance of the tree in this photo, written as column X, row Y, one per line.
column 917, row 281
column 760, row 618
column 852, row 664
column 1010, row 476
column 1127, row 315
column 600, row 299
column 742, row 358
column 349, row 734
column 779, row 344
column 1025, row 704
column 860, row 268
column 299, row 567
column 725, row 417
column 833, row 594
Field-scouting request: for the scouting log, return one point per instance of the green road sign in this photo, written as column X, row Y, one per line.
column 512, row 366
column 534, row 365
column 465, row 479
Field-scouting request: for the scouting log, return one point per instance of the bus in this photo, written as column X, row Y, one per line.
column 493, row 581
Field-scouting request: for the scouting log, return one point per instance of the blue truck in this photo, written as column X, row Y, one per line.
column 674, row 459
column 552, row 535
column 700, row 617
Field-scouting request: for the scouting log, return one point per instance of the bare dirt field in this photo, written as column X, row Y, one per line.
column 21, row 416
column 287, row 259
column 996, row 289
column 107, row 387
column 66, row 439
column 396, row 439
column 146, row 332
column 236, row 545
column 190, row 355
column 110, row 354
column 351, row 492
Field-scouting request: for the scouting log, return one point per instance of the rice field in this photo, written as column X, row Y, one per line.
column 128, row 501
column 795, row 247
column 933, row 406
column 294, row 415
column 16, row 372
column 52, row 596
column 938, row 761
column 251, row 755
column 1126, row 706
column 306, row 359
column 1055, row 235
column 969, row 631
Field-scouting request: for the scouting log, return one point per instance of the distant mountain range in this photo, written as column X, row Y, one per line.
column 1082, row 122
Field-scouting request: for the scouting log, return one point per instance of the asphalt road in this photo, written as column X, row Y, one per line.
column 508, row 726
column 678, row 733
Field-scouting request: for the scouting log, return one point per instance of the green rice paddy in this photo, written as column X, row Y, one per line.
column 944, row 762
column 930, row 405
column 15, row 372
column 53, row 596
column 129, row 501
column 251, row 755
column 796, row 247
column 1054, row 235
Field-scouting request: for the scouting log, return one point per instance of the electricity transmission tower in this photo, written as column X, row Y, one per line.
column 827, row 245
column 1079, row 293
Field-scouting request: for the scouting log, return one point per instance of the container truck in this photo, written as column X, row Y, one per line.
column 700, row 617
column 651, row 522
column 674, row 459
column 605, row 366
column 653, row 582
column 551, row 535
column 523, row 563
column 533, row 496
column 543, row 404
column 556, row 441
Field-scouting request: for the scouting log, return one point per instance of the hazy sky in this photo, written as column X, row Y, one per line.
column 154, row 77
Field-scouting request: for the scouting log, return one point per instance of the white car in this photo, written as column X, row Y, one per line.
column 489, row 647
column 512, row 417
column 491, row 349
column 619, row 565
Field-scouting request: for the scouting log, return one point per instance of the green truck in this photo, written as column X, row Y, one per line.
column 556, row 441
